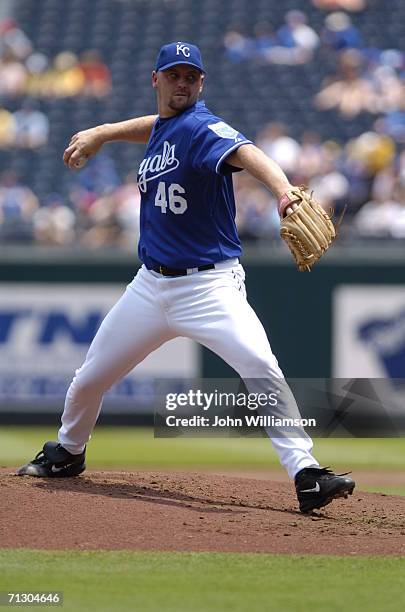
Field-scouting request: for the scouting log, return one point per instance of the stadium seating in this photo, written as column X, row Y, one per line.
column 128, row 34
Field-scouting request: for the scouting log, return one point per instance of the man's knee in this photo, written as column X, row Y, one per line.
column 87, row 383
column 263, row 367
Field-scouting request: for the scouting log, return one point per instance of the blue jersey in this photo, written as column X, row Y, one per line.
column 187, row 200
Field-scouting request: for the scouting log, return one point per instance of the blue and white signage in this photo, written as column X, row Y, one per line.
column 45, row 331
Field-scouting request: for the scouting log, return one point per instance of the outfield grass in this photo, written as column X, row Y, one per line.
column 207, row 582
column 136, row 447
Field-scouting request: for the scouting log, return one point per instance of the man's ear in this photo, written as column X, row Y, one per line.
column 154, row 79
column 202, row 83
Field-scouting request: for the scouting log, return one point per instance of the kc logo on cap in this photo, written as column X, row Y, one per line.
column 180, row 47
column 179, row 53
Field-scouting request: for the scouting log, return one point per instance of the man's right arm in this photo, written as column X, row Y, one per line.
column 87, row 143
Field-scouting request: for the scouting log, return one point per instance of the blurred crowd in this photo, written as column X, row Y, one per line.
column 365, row 176
column 25, row 71
column 27, row 127
column 366, row 79
column 27, row 75
column 99, row 211
column 347, row 5
column 371, row 82
column 294, row 42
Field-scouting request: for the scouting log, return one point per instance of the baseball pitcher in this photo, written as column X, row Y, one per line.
column 191, row 282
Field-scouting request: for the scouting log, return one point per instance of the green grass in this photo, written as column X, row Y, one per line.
column 207, row 582
column 380, row 488
column 136, row 447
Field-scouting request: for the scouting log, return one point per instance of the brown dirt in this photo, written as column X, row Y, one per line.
column 377, row 478
column 191, row 512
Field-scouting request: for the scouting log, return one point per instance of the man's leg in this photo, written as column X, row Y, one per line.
column 222, row 320
column 133, row 328
column 231, row 329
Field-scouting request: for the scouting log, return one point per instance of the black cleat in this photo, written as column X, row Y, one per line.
column 317, row 487
column 54, row 461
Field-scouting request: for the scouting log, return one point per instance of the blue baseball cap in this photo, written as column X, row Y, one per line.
column 179, row 53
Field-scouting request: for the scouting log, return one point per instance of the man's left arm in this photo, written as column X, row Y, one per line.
column 263, row 168
column 306, row 228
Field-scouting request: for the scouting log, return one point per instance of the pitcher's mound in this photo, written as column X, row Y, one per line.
column 191, row 511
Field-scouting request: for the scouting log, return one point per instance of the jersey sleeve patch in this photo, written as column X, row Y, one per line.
column 223, row 130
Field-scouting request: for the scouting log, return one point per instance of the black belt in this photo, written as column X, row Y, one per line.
column 165, row 271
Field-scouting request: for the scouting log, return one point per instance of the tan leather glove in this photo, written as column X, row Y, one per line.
column 306, row 228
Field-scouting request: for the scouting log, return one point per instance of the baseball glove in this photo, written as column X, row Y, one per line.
column 307, row 229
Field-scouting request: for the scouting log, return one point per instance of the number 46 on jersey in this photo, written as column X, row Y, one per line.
column 168, row 197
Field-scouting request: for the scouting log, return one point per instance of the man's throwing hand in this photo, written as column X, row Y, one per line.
column 82, row 146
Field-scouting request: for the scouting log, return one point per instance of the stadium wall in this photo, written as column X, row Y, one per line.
column 321, row 324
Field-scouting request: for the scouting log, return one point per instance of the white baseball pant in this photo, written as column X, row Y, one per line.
column 209, row 307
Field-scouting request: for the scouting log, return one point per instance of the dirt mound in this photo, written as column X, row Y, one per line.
column 191, row 511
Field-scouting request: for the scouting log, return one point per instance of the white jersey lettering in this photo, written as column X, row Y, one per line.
column 153, row 167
